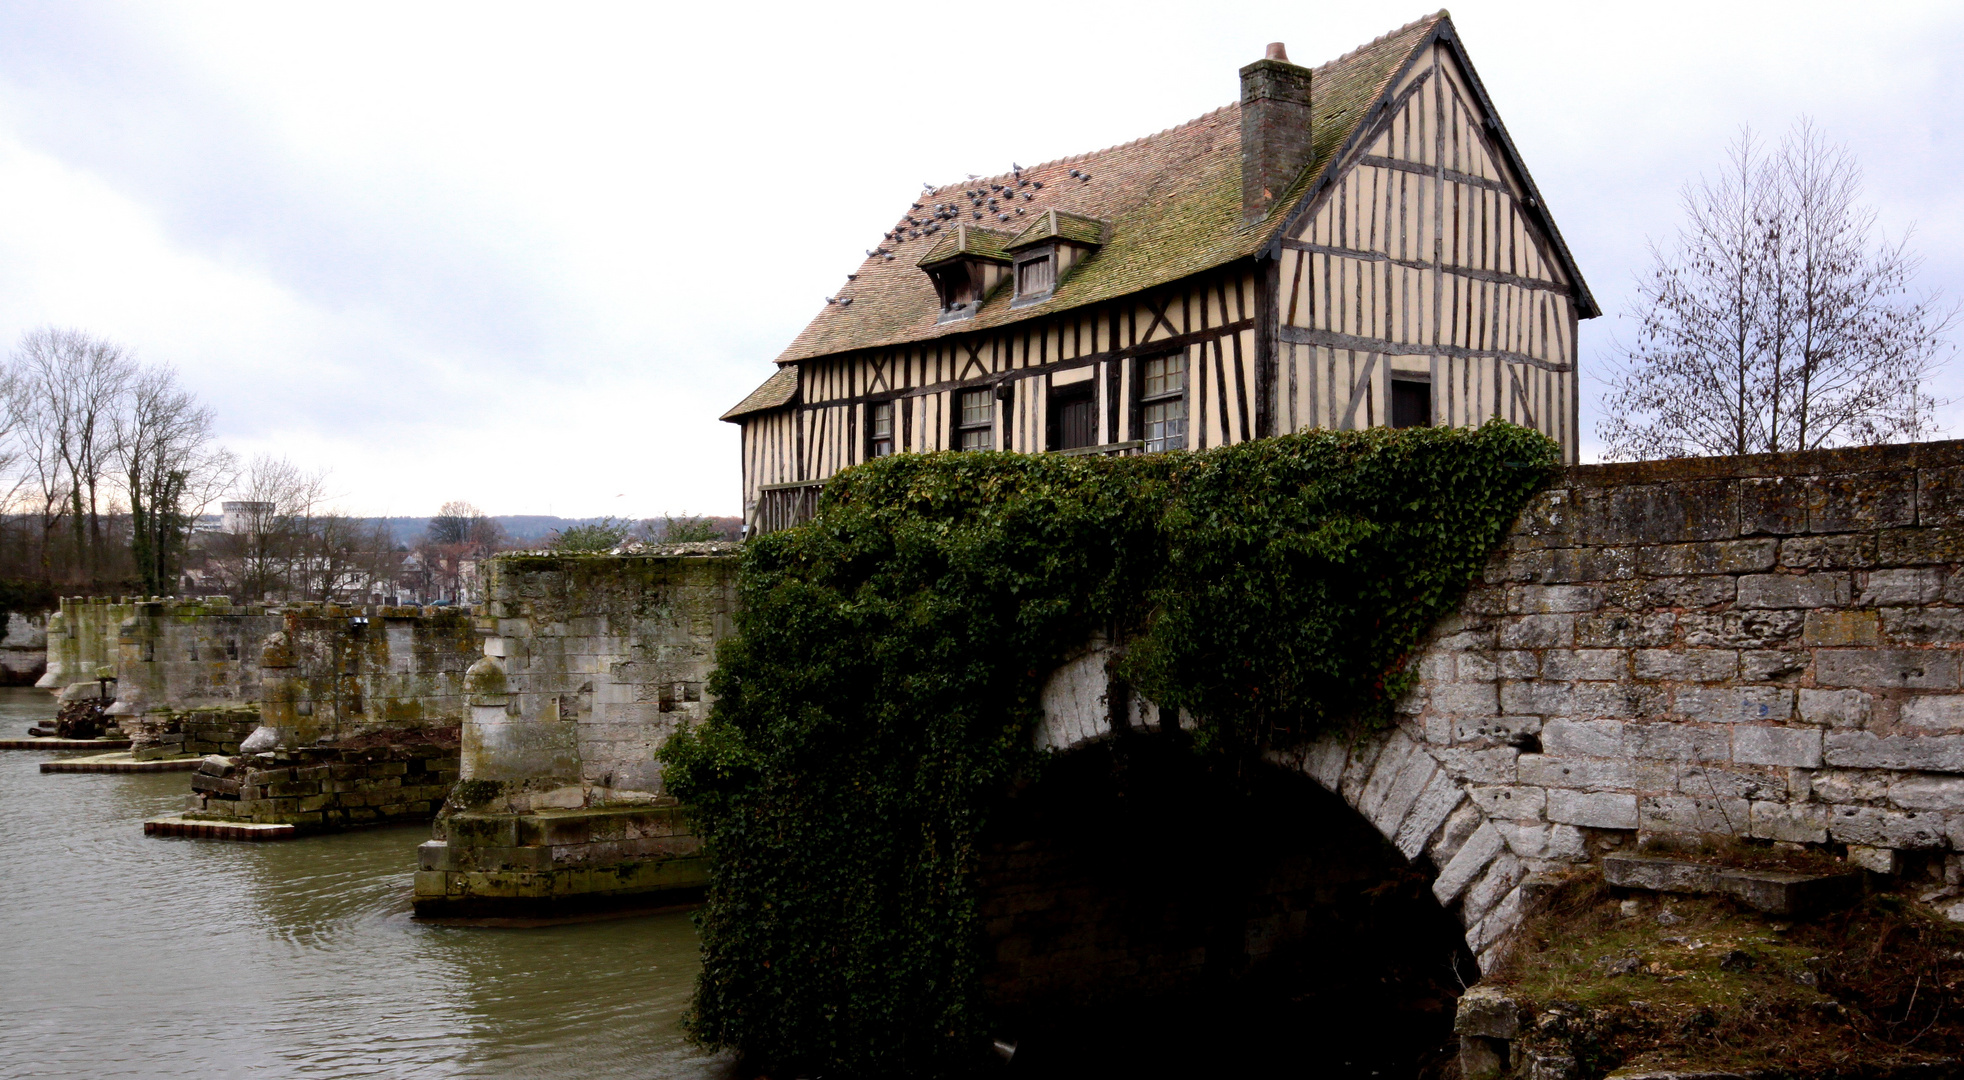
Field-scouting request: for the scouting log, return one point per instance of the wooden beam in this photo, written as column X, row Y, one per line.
column 1357, row 392
column 1452, row 175
column 1331, row 339
column 1521, row 396
column 1494, row 276
column 1149, row 348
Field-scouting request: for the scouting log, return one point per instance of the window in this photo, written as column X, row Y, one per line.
column 1411, row 403
column 1073, row 416
column 879, row 429
column 975, row 420
column 1163, row 392
column 956, row 284
column 1035, row 276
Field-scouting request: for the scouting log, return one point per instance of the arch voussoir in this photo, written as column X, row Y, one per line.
column 1426, row 809
column 1425, row 801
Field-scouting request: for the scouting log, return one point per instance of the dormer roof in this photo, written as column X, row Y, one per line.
column 1055, row 224
column 963, row 241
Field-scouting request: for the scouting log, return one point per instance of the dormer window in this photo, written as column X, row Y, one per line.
column 964, row 267
column 1056, row 241
column 1036, row 274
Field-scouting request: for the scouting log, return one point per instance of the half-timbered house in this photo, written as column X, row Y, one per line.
column 1352, row 245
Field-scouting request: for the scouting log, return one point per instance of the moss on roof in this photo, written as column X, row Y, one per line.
column 777, row 390
column 967, row 240
column 1171, row 204
column 1060, row 225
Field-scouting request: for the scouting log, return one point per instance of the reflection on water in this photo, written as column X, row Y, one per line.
column 125, row 955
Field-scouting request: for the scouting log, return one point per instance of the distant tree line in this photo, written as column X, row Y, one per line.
column 105, row 462
column 109, row 473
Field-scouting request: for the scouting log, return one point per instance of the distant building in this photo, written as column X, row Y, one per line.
column 237, row 517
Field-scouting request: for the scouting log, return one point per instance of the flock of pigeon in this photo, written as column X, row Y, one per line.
column 1003, row 201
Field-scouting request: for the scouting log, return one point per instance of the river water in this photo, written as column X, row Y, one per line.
column 123, row 955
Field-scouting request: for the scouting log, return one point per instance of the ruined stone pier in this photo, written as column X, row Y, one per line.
column 590, row 663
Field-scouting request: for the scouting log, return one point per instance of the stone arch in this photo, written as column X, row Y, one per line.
column 1147, row 909
column 1428, row 802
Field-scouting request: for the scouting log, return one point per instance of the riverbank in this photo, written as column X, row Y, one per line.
column 131, row 956
column 1607, row 979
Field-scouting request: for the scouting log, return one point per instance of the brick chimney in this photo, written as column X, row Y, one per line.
column 1274, row 130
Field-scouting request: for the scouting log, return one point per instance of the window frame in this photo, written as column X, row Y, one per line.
column 1141, row 400
column 892, row 437
column 1415, row 379
column 961, row 426
column 1023, row 266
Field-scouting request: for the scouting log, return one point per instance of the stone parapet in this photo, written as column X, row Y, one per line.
column 1766, row 647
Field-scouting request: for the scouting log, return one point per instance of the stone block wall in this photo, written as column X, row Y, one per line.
column 82, row 639
column 360, row 670
column 321, row 788
column 350, row 670
column 162, row 733
column 591, row 662
column 173, row 653
column 556, row 860
column 23, row 648
column 1763, row 647
column 1766, row 648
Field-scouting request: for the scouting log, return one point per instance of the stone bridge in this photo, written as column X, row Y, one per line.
column 1764, row 648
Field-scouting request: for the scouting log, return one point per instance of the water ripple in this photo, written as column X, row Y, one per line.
column 130, row 956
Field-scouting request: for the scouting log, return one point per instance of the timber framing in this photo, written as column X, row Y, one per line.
column 1413, row 249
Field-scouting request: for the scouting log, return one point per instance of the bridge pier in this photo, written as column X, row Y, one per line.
column 590, row 663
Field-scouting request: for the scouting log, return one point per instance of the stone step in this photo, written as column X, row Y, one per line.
column 64, row 744
column 217, row 830
column 1775, row 892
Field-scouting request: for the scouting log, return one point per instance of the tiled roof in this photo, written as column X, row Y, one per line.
column 777, row 390
column 1061, row 224
column 1171, row 203
column 1173, row 200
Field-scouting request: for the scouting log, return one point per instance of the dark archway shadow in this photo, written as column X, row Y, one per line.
column 1149, row 913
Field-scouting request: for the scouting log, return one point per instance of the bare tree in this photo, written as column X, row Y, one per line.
column 459, row 522
column 69, row 386
column 275, row 503
column 80, row 381
column 343, row 558
column 1778, row 321
column 458, row 536
column 170, row 472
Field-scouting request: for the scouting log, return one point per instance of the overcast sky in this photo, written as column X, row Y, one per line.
column 525, row 255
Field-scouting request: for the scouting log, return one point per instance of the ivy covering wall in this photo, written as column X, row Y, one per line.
column 880, row 693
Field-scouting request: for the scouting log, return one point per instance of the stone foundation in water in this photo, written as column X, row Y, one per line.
column 552, row 862
column 166, row 733
column 325, row 788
